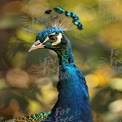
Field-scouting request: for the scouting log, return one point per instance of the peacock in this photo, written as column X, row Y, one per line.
column 73, row 103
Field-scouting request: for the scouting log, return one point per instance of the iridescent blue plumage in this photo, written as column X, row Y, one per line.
column 74, row 16
column 59, row 10
column 68, row 13
column 48, row 31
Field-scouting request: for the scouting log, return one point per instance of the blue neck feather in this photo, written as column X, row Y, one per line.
column 65, row 56
column 73, row 99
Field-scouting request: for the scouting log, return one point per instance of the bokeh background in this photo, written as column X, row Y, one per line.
column 28, row 80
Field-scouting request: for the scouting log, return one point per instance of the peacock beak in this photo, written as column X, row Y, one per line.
column 36, row 45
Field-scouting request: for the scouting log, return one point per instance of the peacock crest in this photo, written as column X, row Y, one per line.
column 57, row 17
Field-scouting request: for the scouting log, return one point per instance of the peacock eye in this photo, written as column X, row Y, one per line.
column 53, row 38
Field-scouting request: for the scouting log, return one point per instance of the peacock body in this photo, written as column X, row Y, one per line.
column 73, row 98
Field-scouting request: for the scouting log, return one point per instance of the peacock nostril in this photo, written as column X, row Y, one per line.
column 37, row 43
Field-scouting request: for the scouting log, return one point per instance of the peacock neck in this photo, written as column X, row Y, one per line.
column 73, row 102
column 65, row 55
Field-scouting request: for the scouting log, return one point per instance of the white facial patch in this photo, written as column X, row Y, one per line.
column 46, row 39
column 52, row 34
column 58, row 39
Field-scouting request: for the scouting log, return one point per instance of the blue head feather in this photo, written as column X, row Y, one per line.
column 45, row 33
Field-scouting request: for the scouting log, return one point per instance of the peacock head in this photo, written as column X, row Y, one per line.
column 51, row 38
column 56, row 21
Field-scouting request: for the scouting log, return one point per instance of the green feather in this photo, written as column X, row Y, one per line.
column 32, row 118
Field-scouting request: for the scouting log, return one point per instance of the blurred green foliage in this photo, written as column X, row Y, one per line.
column 28, row 80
